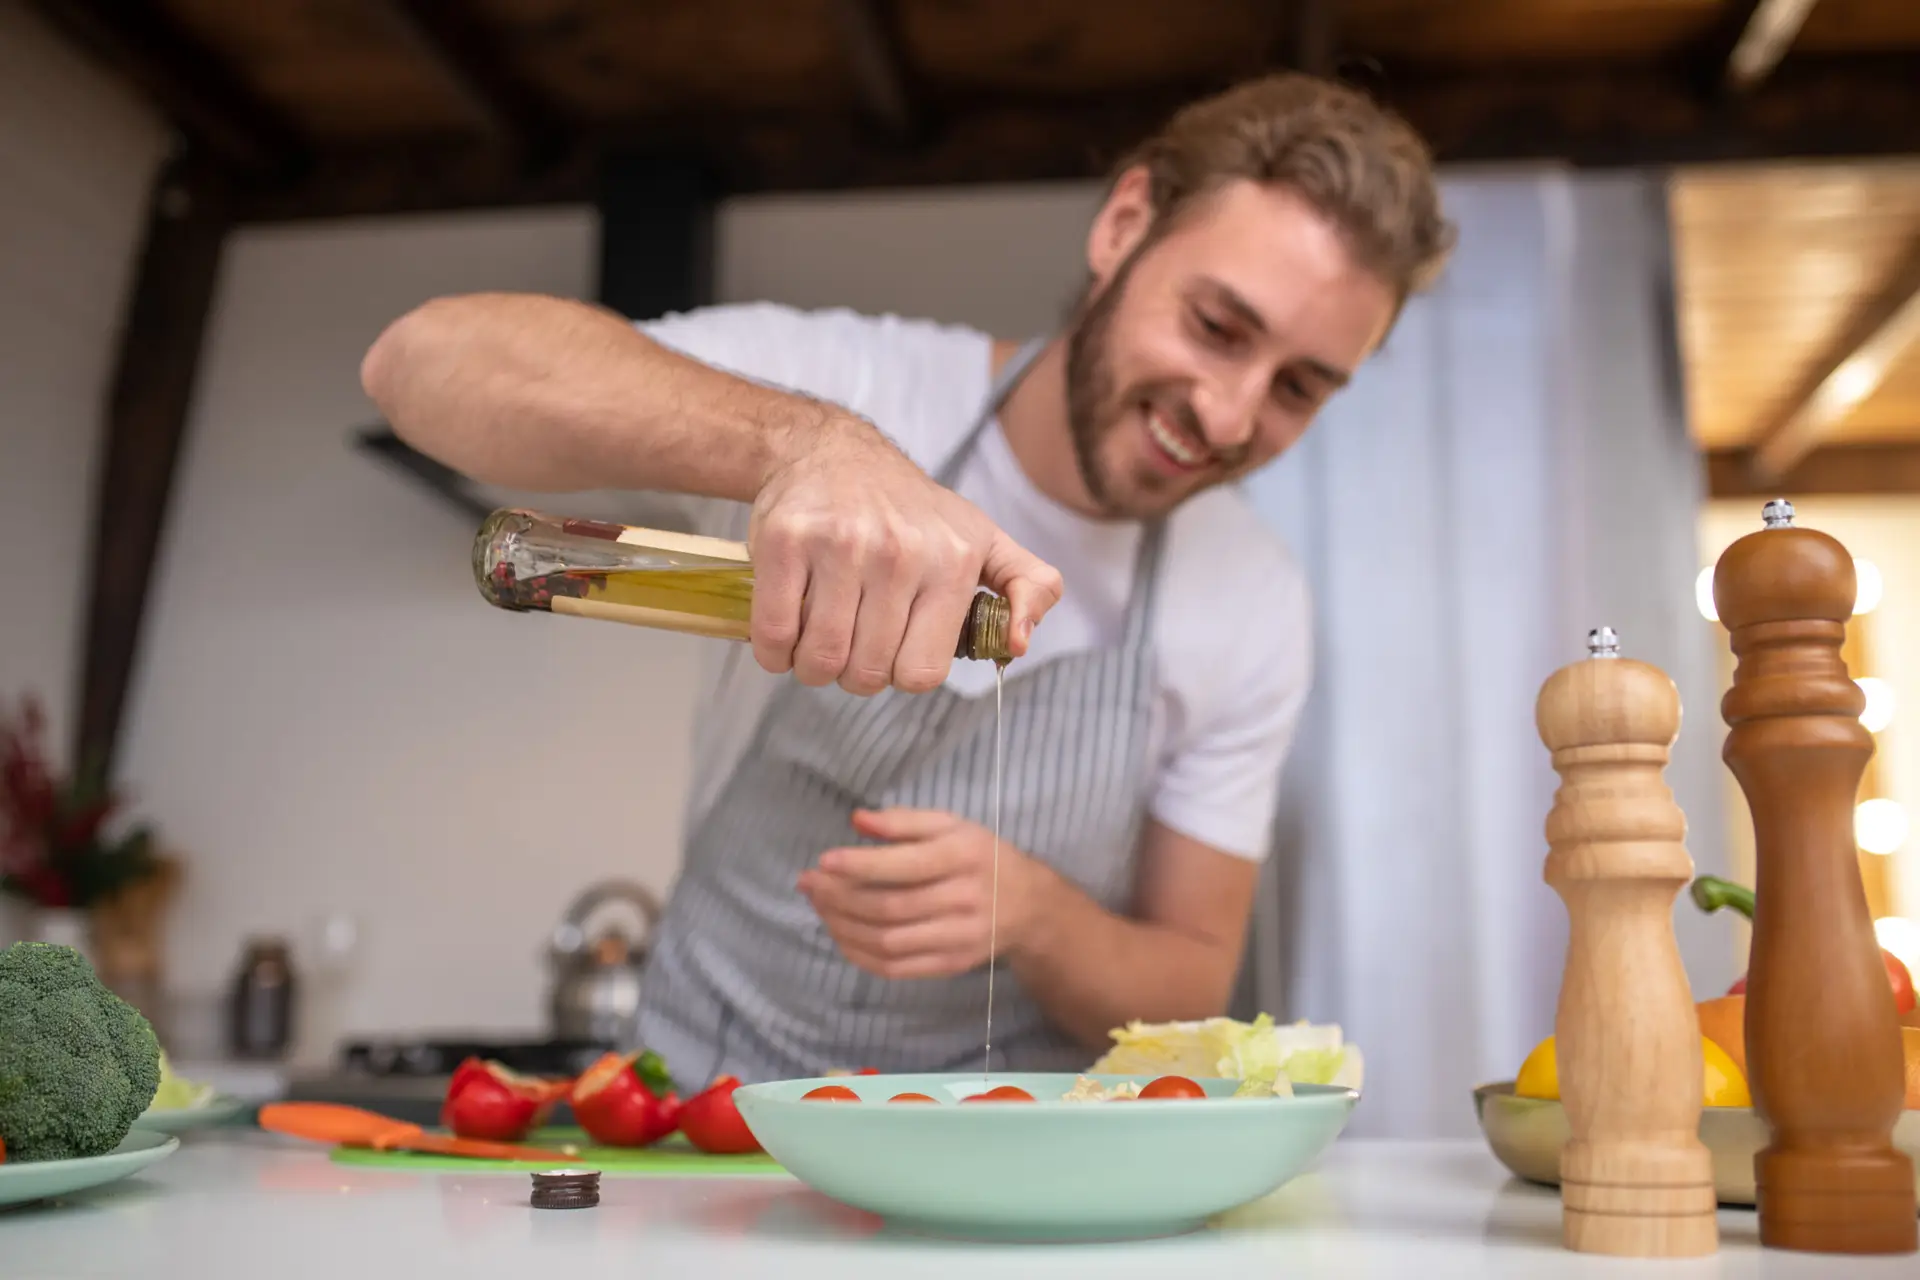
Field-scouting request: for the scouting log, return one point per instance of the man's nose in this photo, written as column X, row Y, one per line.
column 1228, row 412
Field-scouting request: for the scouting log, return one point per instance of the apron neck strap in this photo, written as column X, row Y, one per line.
column 1003, row 385
column 1146, row 568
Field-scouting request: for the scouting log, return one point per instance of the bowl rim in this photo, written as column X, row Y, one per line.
column 1504, row 1089
column 763, row 1093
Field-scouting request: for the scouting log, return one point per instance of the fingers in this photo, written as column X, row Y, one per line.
column 877, row 907
column 897, row 864
column 931, row 964
column 904, row 824
column 1030, row 584
column 886, row 595
column 779, row 587
column 924, row 949
column 826, row 620
column 926, row 651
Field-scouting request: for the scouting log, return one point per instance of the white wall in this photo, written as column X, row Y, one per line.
column 327, row 716
column 76, row 157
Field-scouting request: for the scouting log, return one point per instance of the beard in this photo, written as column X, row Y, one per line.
column 1097, row 407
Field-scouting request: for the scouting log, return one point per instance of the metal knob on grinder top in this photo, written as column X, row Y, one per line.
column 1635, row 1179
column 1824, row 1053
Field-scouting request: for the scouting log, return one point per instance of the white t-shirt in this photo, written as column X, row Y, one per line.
column 1232, row 628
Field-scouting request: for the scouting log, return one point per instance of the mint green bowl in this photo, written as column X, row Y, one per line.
column 1045, row 1170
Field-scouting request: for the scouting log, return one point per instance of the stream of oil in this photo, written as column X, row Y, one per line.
column 993, row 902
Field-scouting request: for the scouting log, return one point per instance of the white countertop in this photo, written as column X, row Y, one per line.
column 246, row 1205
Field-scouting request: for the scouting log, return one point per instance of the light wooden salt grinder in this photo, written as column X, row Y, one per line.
column 1635, row 1179
column 1823, row 1038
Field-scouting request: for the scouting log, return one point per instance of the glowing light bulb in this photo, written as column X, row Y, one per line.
column 1880, row 826
column 1703, row 595
column 1868, row 586
column 1900, row 936
column 1880, row 703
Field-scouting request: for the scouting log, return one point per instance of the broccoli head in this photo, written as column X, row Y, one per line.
column 77, row 1063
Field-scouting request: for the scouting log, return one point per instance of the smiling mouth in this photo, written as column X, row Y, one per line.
column 1177, row 449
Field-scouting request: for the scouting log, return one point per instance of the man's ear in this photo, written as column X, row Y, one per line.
column 1121, row 224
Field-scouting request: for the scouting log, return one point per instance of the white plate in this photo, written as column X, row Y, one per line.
column 26, row 1181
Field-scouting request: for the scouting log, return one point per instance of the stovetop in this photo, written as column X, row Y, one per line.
column 387, row 1057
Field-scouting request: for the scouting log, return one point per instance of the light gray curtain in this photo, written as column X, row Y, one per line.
column 1510, row 471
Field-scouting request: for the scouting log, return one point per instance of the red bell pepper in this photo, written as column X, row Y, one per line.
column 712, row 1122
column 626, row 1100
column 1710, row 893
column 487, row 1101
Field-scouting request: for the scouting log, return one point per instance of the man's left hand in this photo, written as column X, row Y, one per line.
column 921, row 905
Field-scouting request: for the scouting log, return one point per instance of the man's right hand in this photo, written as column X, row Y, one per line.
column 865, row 567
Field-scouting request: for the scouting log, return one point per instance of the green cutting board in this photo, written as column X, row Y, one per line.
column 671, row 1157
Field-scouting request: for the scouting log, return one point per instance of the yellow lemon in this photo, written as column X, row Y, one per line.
column 1540, row 1074
column 1725, row 1085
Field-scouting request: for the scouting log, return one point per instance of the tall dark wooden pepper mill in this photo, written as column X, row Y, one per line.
column 1824, row 1052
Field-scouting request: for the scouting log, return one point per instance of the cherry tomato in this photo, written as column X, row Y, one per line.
column 909, row 1097
column 831, row 1093
column 1173, row 1087
column 713, row 1123
column 1004, row 1093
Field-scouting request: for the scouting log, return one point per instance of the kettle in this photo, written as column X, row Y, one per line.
column 596, row 980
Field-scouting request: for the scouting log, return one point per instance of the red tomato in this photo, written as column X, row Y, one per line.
column 485, row 1100
column 1173, row 1087
column 831, row 1093
column 909, row 1097
column 712, row 1122
column 1004, row 1093
column 626, row 1100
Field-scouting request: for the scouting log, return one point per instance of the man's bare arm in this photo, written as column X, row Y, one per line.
column 1172, row 958
column 864, row 567
column 548, row 394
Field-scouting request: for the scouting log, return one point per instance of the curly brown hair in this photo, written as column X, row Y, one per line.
column 1360, row 165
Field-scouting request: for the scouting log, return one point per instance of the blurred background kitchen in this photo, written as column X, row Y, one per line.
column 1688, row 280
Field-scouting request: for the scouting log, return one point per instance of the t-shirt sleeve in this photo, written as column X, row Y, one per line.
column 1219, row 778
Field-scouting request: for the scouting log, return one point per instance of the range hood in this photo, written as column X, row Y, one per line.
column 656, row 256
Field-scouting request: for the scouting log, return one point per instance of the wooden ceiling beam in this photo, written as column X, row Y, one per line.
column 146, row 412
column 1769, row 30
column 1823, row 108
column 470, row 59
column 188, row 85
column 871, row 42
column 1312, row 42
column 1835, row 469
column 1884, row 333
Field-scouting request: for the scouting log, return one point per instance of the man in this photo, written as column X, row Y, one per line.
column 841, row 891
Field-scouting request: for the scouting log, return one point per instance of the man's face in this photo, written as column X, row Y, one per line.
column 1203, row 353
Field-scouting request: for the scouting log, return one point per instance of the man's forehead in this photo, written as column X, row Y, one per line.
column 1263, row 222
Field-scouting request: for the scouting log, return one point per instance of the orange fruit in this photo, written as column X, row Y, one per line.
column 1724, row 1021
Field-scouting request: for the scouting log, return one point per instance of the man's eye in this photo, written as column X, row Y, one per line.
column 1295, row 390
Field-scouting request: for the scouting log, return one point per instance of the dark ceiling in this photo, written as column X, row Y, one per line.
column 329, row 107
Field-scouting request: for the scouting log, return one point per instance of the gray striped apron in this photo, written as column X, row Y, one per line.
column 743, row 976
